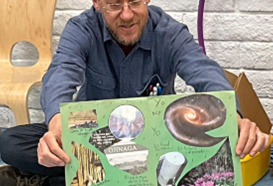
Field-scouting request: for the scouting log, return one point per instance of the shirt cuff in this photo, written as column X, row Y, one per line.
column 50, row 113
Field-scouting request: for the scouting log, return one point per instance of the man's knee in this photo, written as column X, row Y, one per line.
column 7, row 144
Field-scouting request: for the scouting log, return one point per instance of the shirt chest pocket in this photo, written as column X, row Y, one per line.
column 100, row 86
column 153, row 80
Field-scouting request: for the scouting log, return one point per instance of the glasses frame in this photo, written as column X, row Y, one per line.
column 122, row 6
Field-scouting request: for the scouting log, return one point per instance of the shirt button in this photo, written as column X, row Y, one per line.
column 124, row 91
column 123, row 66
column 100, row 82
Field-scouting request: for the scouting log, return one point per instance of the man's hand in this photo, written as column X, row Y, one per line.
column 251, row 139
column 50, row 152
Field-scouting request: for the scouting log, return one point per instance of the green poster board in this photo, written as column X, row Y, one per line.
column 170, row 140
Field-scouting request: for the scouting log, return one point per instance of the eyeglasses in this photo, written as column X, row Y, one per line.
column 117, row 7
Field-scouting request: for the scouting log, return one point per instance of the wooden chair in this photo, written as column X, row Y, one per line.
column 31, row 21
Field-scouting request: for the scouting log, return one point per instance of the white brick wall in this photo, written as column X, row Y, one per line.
column 238, row 34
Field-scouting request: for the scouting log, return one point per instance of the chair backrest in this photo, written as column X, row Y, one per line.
column 30, row 21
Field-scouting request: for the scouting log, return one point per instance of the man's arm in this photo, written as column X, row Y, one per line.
column 67, row 69
column 206, row 75
column 65, row 73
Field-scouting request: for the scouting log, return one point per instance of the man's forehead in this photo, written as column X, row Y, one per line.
column 113, row 1
column 117, row 1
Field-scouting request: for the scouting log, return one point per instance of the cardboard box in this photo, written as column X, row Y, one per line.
column 253, row 168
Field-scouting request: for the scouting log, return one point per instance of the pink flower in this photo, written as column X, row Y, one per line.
column 199, row 180
column 209, row 183
column 215, row 179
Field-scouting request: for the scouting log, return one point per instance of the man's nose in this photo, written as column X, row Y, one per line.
column 126, row 12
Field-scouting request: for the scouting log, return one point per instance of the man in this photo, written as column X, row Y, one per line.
column 115, row 50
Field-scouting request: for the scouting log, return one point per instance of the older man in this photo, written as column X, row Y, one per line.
column 116, row 49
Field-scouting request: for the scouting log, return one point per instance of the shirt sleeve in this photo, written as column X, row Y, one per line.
column 193, row 66
column 67, row 69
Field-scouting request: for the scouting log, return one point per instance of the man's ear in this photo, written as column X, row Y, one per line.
column 96, row 4
column 148, row 1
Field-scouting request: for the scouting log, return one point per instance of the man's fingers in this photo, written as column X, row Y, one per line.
column 45, row 156
column 247, row 137
column 267, row 142
column 42, row 157
column 55, row 148
column 266, row 139
column 50, row 153
column 243, row 138
column 42, row 160
column 251, row 140
column 260, row 143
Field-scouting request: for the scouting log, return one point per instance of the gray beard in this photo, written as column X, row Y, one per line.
column 120, row 40
column 123, row 42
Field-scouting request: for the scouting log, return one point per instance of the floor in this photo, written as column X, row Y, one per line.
column 265, row 181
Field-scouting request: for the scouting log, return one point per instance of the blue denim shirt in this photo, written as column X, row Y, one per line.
column 88, row 55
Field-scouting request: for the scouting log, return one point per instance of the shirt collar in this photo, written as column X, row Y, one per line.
column 145, row 41
column 105, row 32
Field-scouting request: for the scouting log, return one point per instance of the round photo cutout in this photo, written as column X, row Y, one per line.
column 126, row 122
